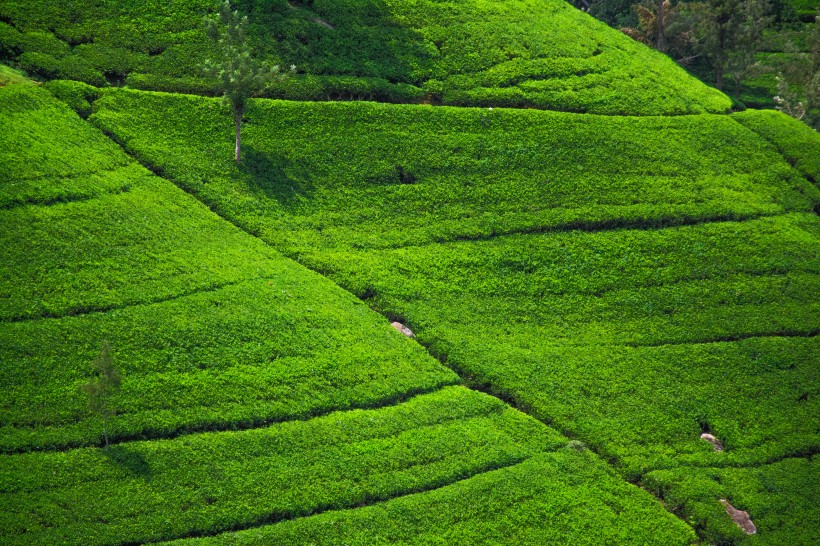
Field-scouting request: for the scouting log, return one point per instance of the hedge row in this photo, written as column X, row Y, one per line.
column 241, row 356
column 375, row 176
column 212, row 482
column 478, row 53
column 799, row 144
column 31, row 120
column 145, row 245
column 556, row 498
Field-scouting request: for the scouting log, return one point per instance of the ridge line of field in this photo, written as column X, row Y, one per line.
column 808, row 453
column 54, row 201
column 616, row 289
column 272, row 519
column 386, row 401
column 92, row 310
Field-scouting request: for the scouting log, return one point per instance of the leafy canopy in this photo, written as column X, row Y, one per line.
column 238, row 73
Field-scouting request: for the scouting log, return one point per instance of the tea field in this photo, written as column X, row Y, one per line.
column 543, row 54
column 611, row 281
column 257, row 396
column 633, row 297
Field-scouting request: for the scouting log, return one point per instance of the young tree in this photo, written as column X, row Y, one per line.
column 103, row 386
column 239, row 74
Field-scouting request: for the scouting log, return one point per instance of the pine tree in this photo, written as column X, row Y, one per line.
column 103, row 386
column 238, row 73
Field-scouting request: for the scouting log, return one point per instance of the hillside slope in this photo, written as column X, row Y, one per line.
column 254, row 391
column 633, row 292
column 527, row 53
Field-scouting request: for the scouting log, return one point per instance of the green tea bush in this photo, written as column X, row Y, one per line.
column 325, row 175
column 633, row 281
column 548, row 499
column 32, row 119
column 198, row 313
column 76, row 95
column 207, row 483
column 798, row 143
column 293, row 341
column 780, row 498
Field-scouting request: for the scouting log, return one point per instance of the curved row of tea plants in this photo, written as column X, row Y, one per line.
column 361, row 175
column 478, row 52
column 555, row 498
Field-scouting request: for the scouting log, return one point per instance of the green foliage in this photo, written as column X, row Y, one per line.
column 201, row 314
column 77, row 95
column 9, row 76
column 323, row 176
column 478, row 53
column 797, row 142
column 239, row 73
column 781, row 499
column 553, row 498
column 500, row 253
column 212, row 482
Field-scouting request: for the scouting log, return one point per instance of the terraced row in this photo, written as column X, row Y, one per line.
column 635, row 340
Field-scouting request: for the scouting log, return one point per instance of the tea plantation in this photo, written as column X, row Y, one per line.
column 542, row 54
column 632, row 296
column 255, row 391
column 611, row 279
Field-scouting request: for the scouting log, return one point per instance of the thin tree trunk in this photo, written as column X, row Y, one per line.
column 238, row 121
column 105, row 429
column 659, row 18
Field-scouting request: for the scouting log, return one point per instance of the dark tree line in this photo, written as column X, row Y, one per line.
column 719, row 40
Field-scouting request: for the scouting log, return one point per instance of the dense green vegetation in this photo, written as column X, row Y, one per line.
column 201, row 312
column 798, row 143
column 557, row 498
column 782, row 496
column 618, row 281
column 340, row 175
column 544, row 54
column 235, row 364
column 140, row 491
column 491, row 234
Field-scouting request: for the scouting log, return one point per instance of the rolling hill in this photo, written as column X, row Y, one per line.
column 595, row 280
